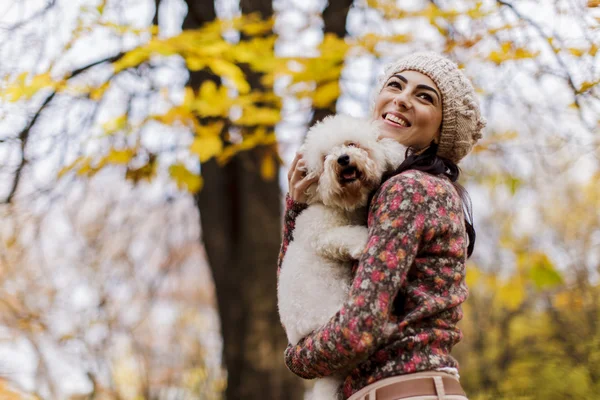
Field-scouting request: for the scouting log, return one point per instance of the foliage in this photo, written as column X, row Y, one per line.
column 530, row 325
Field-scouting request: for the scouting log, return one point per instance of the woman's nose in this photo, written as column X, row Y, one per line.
column 401, row 100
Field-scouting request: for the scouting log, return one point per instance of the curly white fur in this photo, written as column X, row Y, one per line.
column 316, row 272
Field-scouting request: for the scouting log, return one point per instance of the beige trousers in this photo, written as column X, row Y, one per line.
column 368, row 392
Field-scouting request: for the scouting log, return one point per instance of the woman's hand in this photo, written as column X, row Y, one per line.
column 298, row 180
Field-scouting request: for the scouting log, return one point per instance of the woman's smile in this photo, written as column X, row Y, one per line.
column 396, row 120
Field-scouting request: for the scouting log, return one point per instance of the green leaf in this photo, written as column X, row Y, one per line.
column 543, row 274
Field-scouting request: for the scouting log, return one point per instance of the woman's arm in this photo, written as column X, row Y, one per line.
column 292, row 210
column 295, row 202
column 396, row 223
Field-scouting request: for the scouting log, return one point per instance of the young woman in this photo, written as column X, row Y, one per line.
column 393, row 336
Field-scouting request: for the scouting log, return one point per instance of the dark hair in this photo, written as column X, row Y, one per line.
column 428, row 161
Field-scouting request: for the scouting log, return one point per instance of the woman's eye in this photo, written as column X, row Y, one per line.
column 395, row 84
column 426, row 96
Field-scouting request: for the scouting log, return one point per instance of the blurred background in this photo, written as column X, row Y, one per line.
column 143, row 155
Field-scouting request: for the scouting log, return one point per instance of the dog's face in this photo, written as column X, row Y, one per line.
column 349, row 159
column 349, row 175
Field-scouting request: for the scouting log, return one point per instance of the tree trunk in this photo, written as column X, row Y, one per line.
column 240, row 216
column 335, row 17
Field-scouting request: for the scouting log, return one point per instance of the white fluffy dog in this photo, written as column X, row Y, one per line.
column 350, row 158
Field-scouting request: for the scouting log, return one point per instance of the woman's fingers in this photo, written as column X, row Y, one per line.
column 298, row 179
column 298, row 190
column 297, row 171
column 293, row 166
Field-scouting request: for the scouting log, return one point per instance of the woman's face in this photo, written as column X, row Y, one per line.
column 410, row 107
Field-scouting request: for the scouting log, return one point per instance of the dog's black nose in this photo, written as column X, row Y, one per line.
column 344, row 160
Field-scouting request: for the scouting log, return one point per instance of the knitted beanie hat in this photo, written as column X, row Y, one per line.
column 462, row 122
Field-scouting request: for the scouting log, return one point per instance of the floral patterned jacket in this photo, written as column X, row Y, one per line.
column 405, row 300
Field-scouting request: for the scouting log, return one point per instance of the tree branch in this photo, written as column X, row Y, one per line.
column 24, row 135
column 155, row 17
column 49, row 5
column 560, row 61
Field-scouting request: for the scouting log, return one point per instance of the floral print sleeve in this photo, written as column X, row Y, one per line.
column 403, row 216
column 292, row 210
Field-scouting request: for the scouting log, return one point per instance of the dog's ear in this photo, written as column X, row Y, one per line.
column 311, row 191
column 394, row 152
column 302, row 148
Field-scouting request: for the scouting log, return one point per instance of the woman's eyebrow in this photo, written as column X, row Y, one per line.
column 425, row 87
column 403, row 79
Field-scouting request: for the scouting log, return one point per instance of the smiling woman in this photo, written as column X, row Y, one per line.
column 411, row 107
column 393, row 336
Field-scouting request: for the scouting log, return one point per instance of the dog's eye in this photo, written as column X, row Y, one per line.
column 351, row 144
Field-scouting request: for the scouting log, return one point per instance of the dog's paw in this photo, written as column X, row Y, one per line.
column 361, row 238
column 356, row 252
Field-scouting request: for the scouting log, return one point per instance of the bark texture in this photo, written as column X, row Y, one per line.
column 241, row 230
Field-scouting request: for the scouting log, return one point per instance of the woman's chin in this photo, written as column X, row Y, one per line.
column 393, row 133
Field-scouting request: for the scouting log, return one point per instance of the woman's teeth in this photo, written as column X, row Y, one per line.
column 395, row 119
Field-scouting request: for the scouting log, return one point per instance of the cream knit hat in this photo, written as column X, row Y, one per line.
column 462, row 122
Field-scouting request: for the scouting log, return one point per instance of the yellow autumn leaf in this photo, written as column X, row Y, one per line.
column 115, row 125
column 576, row 52
column 212, row 101
column 477, row 12
column 119, row 156
column 585, row 86
column 473, row 276
column 268, row 167
column 333, row 47
column 87, row 169
column 145, row 172
column 508, row 52
column 261, row 136
column 24, row 88
column 213, row 129
column 195, row 63
column 176, row 114
column 122, row 29
column 230, row 71
column 568, row 300
column 188, row 98
column 512, row 294
column 206, row 147
column 318, row 70
column 163, row 47
column 493, row 31
column 371, row 40
column 185, row 179
column 256, row 25
column 97, row 93
column 67, row 168
column 326, row 94
column 132, row 59
column 259, row 116
column 479, row 148
column 256, row 52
